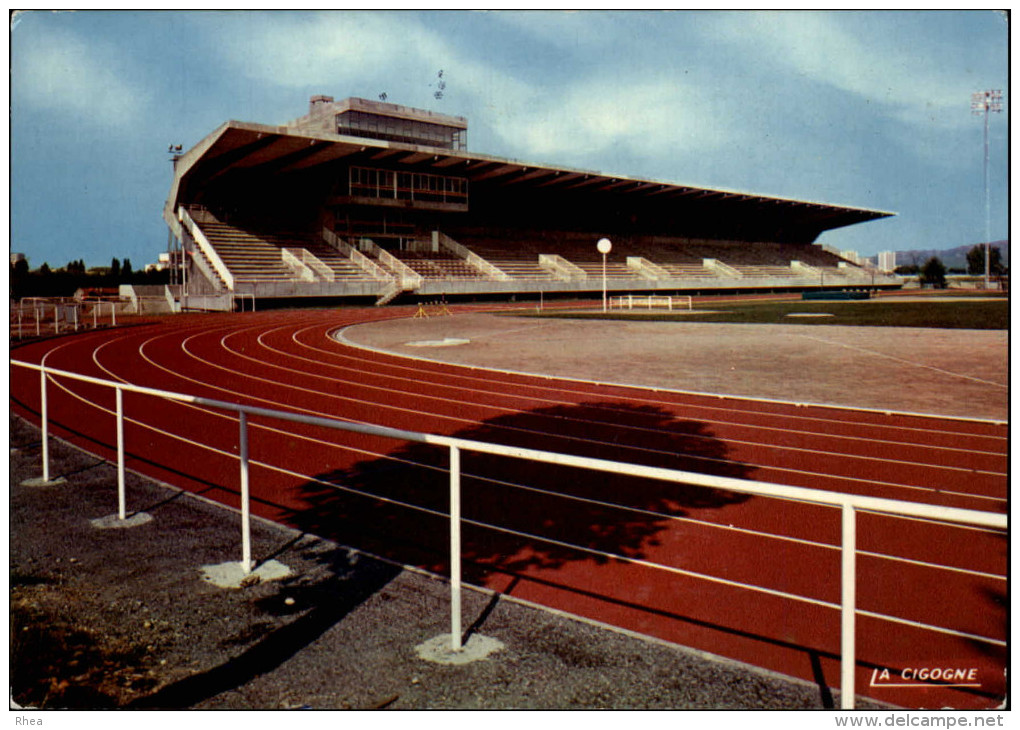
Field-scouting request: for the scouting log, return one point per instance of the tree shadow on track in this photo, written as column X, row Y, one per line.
column 543, row 516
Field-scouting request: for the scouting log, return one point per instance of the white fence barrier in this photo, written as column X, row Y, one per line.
column 849, row 504
column 651, row 301
column 61, row 314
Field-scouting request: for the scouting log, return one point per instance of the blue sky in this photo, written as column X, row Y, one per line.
column 858, row 108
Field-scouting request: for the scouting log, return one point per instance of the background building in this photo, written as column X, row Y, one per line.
column 887, row 261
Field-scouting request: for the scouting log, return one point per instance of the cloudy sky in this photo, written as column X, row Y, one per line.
column 867, row 109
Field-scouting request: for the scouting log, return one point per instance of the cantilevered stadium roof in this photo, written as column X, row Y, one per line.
column 237, row 147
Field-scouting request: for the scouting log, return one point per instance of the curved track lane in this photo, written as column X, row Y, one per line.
column 750, row 578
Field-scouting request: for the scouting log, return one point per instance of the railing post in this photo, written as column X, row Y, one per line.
column 113, row 314
column 56, row 319
column 121, row 490
column 455, row 630
column 44, row 414
column 848, row 612
column 245, row 507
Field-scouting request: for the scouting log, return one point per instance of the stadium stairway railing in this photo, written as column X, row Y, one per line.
column 209, row 253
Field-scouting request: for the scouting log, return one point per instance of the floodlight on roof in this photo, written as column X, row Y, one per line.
column 982, row 102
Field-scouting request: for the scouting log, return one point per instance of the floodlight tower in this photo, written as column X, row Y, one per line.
column 985, row 102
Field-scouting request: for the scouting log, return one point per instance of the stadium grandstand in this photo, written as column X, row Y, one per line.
column 368, row 199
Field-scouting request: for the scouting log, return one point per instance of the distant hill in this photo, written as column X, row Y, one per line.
column 953, row 258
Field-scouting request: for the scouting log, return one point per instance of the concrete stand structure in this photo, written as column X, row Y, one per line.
column 371, row 200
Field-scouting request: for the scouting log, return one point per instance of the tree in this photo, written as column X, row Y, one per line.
column 125, row 270
column 934, row 273
column 976, row 261
column 19, row 278
column 115, row 269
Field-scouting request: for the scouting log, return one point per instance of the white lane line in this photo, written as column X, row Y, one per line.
column 875, row 353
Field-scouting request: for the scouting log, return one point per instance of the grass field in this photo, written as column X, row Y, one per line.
column 942, row 313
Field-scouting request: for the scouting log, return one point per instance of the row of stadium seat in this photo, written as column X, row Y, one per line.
column 258, row 256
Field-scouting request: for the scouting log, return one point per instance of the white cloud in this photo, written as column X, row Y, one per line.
column 595, row 117
column 58, row 71
column 326, row 48
column 884, row 64
column 564, row 27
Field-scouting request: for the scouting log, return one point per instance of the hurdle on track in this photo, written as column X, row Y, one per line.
column 848, row 504
column 651, row 301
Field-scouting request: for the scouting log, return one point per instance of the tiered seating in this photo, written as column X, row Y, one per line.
column 248, row 256
column 689, row 271
column 438, row 265
column 516, row 260
column 516, row 253
column 580, row 250
column 342, row 267
column 836, row 272
column 256, row 254
column 761, row 272
column 614, row 269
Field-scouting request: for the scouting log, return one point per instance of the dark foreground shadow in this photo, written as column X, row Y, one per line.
column 349, row 585
column 520, row 514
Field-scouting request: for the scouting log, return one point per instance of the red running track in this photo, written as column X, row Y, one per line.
column 749, row 578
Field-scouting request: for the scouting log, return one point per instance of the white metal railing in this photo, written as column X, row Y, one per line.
column 849, row 504
column 70, row 312
column 650, row 301
column 198, row 236
column 722, row 268
column 359, row 259
column 647, row 269
column 406, row 277
column 561, row 268
column 490, row 270
column 322, row 271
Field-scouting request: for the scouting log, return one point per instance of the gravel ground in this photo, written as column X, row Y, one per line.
column 963, row 373
column 121, row 618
